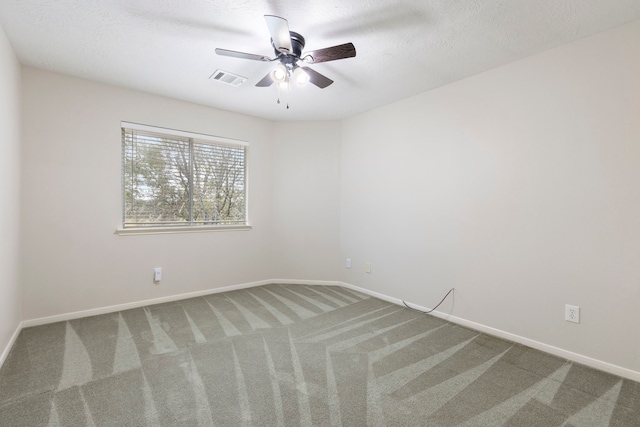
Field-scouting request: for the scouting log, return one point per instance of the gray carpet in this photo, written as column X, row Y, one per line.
column 289, row 355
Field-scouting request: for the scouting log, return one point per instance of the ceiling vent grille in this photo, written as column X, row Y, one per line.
column 228, row 78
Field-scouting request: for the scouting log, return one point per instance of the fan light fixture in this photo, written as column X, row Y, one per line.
column 282, row 75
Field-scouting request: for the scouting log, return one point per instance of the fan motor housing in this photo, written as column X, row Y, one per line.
column 297, row 44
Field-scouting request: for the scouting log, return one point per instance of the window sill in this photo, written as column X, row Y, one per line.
column 176, row 230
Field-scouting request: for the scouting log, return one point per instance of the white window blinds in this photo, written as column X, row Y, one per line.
column 176, row 178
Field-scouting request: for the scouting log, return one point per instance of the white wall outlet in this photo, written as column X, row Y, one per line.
column 367, row 267
column 348, row 263
column 572, row 313
column 157, row 274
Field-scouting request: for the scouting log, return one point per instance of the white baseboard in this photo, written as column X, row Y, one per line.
column 305, row 282
column 127, row 306
column 575, row 357
column 137, row 304
column 556, row 351
column 12, row 341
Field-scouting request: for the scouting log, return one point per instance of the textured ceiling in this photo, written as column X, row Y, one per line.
column 404, row 47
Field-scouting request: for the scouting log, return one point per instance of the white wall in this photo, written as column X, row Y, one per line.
column 10, row 303
column 307, row 199
column 71, row 260
column 519, row 187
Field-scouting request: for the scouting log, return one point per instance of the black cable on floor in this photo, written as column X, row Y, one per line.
column 427, row 312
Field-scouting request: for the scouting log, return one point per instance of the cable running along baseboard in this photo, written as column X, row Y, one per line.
column 427, row 312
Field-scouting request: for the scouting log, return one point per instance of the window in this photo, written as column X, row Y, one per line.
column 176, row 179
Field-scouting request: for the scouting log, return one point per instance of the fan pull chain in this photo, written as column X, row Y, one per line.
column 287, row 95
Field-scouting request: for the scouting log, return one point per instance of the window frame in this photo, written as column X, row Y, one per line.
column 188, row 227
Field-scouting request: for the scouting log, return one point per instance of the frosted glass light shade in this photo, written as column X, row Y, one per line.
column 279, row 74
column 300, row 76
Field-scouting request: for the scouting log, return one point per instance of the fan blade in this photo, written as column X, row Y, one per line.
column 279, row 29
column 242, row 55
column 347, row 50
column 317, row 79
column 266, row 81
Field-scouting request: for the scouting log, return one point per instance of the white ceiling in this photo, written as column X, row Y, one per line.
column 404, row 47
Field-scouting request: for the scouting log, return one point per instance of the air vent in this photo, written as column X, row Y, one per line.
column 228, row 78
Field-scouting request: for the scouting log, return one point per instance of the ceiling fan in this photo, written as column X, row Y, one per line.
column 288, row 47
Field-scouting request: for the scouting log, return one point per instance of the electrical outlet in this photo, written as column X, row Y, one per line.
column 348, row 263
column 157, row 274
column 367, row 267
column 572, row 313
